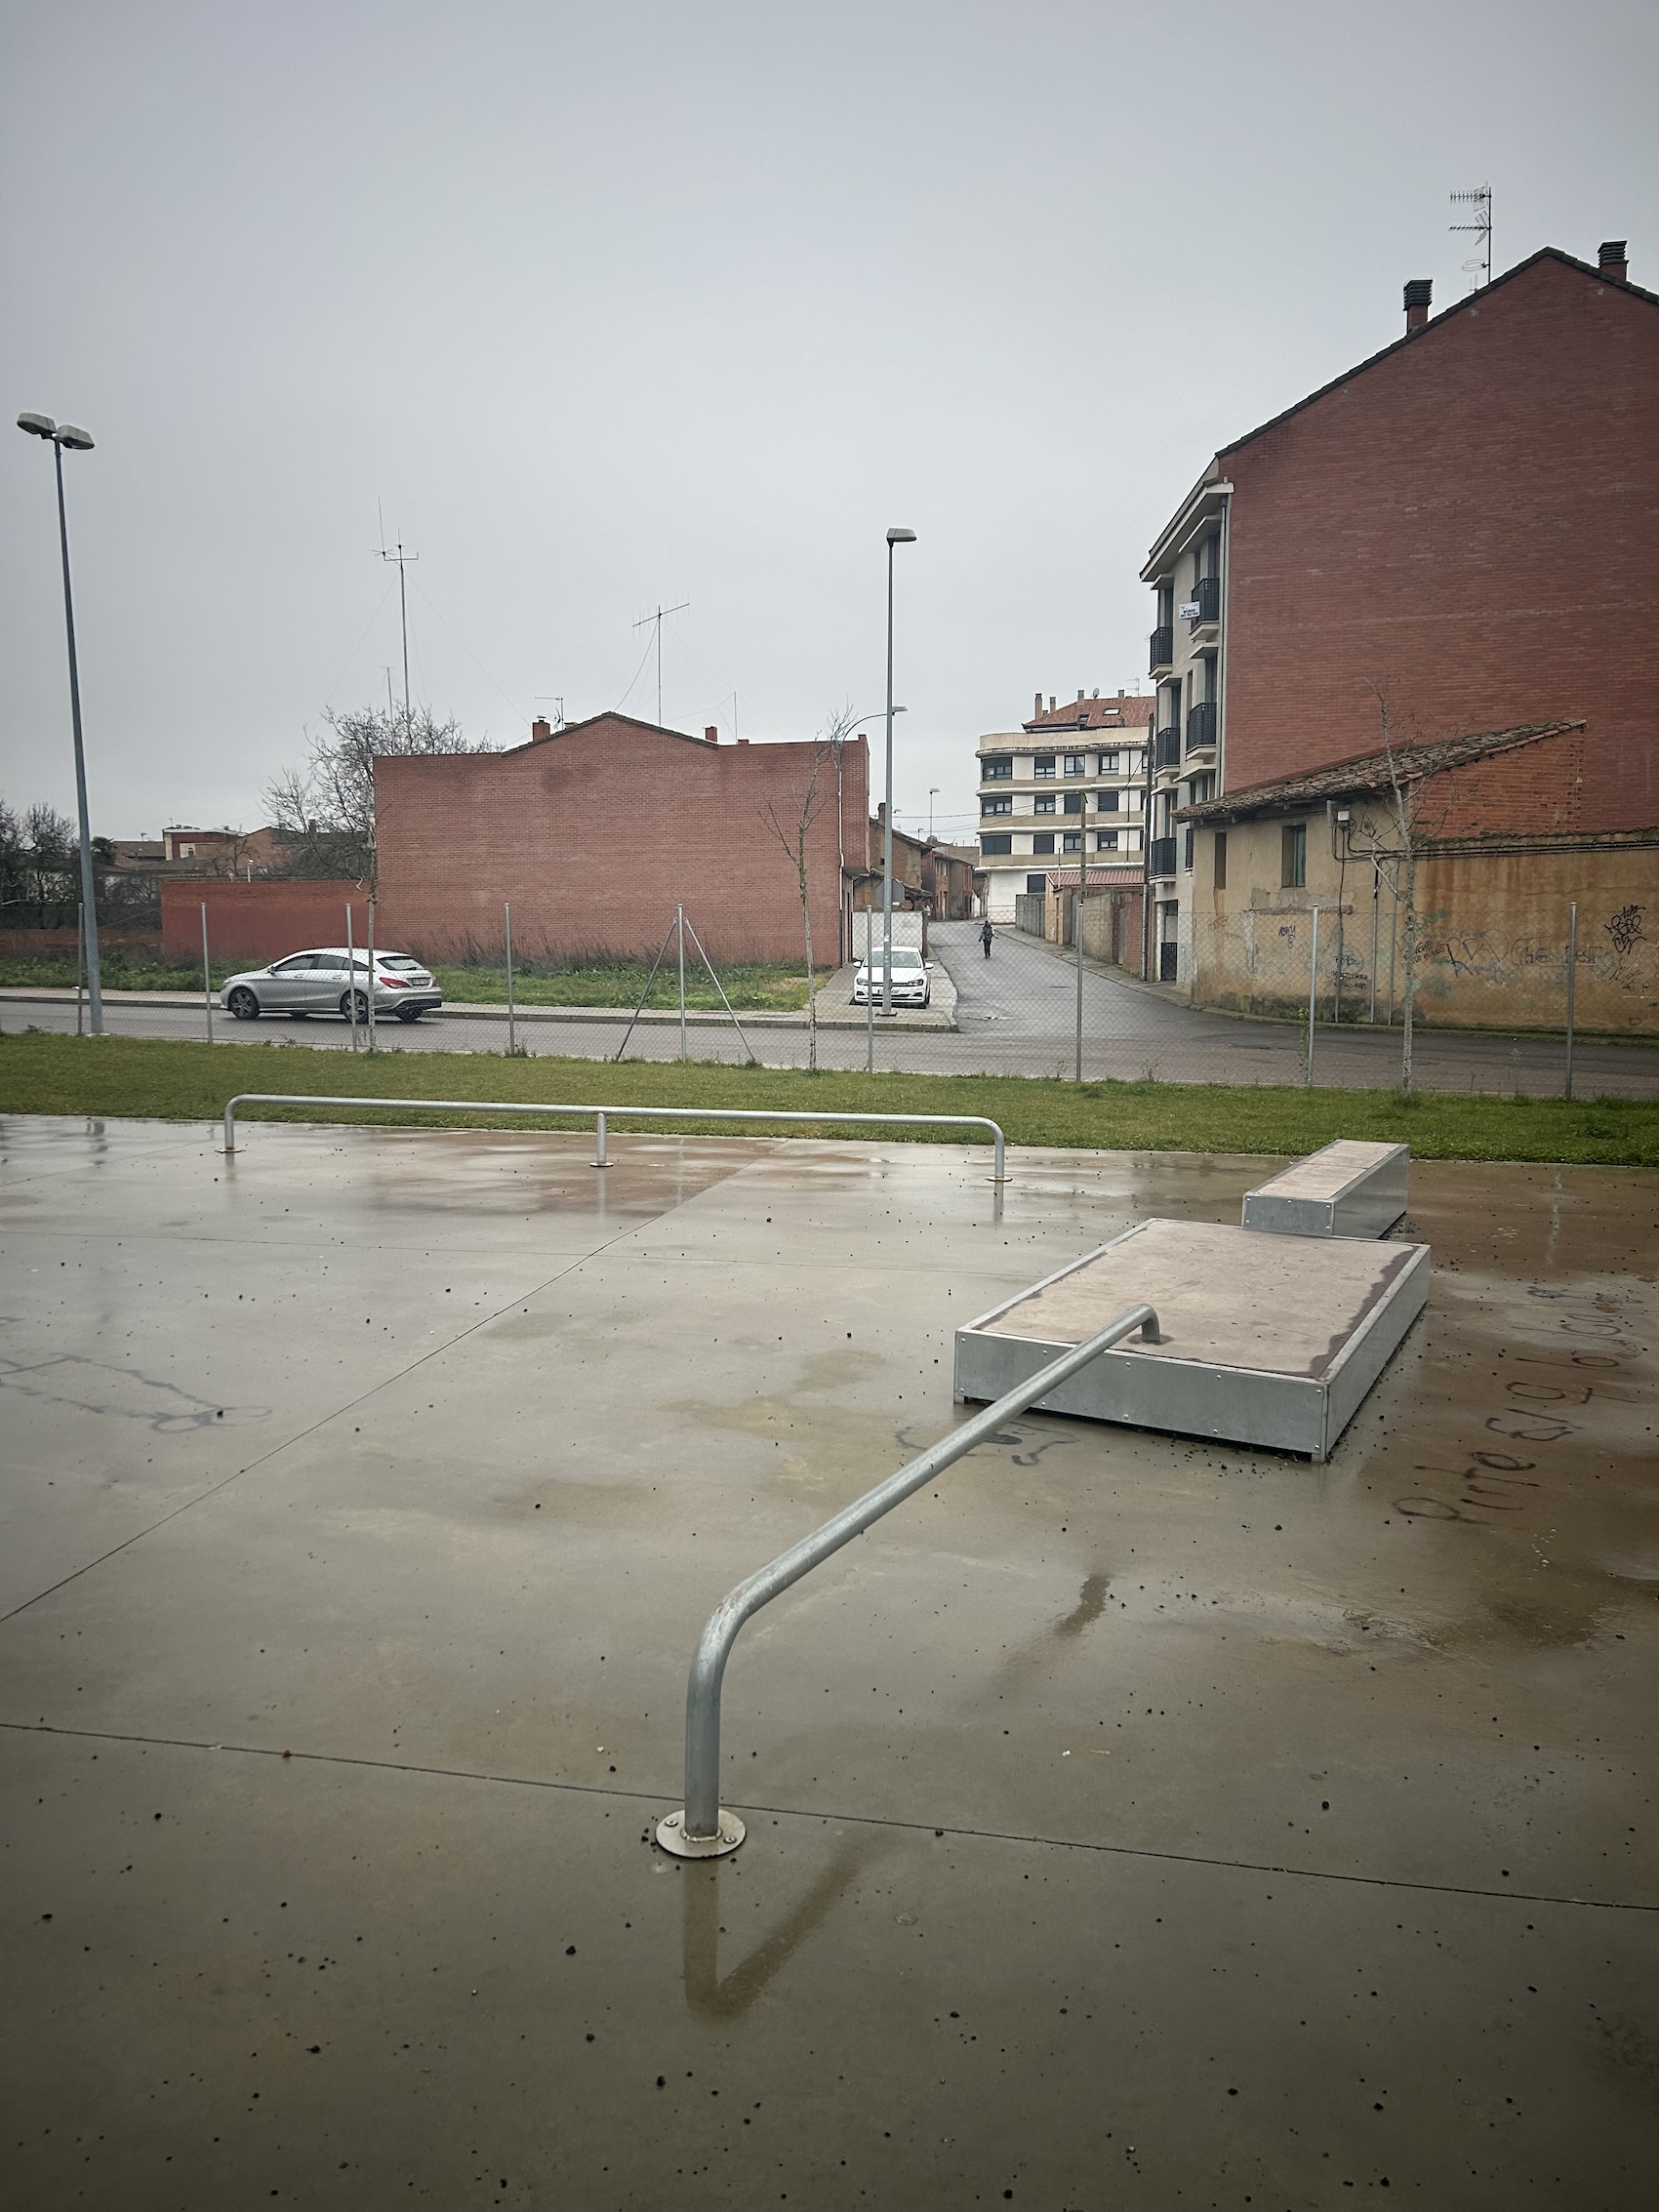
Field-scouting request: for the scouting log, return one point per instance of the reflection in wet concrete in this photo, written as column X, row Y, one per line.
column 706, row 1993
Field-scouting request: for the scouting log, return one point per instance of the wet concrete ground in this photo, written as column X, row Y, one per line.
column 1131, row 1822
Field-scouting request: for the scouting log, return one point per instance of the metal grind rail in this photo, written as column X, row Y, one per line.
column 601, row 1116
column 703, row 1829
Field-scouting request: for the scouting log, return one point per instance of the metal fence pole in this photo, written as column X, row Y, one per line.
column 80, row 962
column 207, row 976
column 1572, row 983
column 1077, row 931
column 679, row 924
column 371, row 971
column 701, row 1830
column 1376, row 888
column 511, row 1027
column 870, row 1005
column 351, row 976
column 1313, row 995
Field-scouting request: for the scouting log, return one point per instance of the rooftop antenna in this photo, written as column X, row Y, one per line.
column 401, row 558
column 656, row 618
column 555, row 698
column 1478, row 204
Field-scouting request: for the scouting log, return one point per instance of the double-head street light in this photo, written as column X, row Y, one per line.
column 894, row 537
column 62, row 434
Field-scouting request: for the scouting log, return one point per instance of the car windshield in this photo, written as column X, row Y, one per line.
column 400, row 961
column 900, row 960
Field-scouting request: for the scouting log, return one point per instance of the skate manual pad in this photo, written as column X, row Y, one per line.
column 1264, row 1339
column 1349, row 1189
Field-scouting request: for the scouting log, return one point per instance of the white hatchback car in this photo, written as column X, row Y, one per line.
column 910, row 983
column 320, row 982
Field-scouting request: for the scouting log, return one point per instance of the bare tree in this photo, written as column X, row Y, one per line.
column 1404, row 794
column 326, row 807
column 792, row 831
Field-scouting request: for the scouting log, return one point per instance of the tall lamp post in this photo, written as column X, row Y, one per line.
column 894, row 537
column 64, row 434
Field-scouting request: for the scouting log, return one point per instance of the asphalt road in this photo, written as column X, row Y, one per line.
column 1016, row 1015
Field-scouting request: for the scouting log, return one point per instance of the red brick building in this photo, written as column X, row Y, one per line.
column 1467, row 523
column 595, row 832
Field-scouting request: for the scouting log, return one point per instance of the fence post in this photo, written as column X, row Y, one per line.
column 1376, row 891
column 1313, row 995
column 207, row 976
column 371, row 993
column 870, row 1005
column 1572, row 983
column 511, row 1025
column 80, row 960
column 1077, row 933
column 679, row 920
column 351, row 976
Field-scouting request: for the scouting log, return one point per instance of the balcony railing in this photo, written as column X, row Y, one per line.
column 1207, row 593
column 1166, row 749
column 1163, row 645
column 1161, row 857
column 1200, row 726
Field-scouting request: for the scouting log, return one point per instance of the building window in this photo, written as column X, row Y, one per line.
column 1106, row 841
column 1221, row 860
column 995, row 765
column 1108, row 764
column 1073, row 802
column 1071, row 841
column 1001, row 803
column 990, row 845
column 1042, row 764
column 1036, row 883
column 1077, row 764
column 1293, row 870
column 1043, row 803
column 1203, row 787
column 1107, row 802
column 1043, row 841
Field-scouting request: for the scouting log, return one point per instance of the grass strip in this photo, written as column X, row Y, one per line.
column 164, row 1079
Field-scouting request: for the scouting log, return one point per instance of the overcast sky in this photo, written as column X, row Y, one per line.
column 617, row 306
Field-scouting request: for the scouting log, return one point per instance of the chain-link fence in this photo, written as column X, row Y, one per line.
column 1022, row 1003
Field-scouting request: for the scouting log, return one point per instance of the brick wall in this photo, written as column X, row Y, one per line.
column 597, row 832
column 1529, row 790
column 1473, row 524
column 257, row 922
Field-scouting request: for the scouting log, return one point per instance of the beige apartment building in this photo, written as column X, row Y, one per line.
column 1070, row 780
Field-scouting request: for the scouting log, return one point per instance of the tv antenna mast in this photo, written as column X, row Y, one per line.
column 1477, row 205
column 656, row 618
column 402, row 559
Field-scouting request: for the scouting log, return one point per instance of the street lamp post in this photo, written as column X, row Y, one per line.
column 64, row 434
column 894, row 537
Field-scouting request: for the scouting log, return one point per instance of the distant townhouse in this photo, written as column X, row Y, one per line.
column 1069, row 781
column 1460, row 534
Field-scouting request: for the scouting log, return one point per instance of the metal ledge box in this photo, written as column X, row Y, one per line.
column 1349, row 1189
column 1264, row 1339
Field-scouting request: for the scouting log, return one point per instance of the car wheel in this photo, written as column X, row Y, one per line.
column 362, row 1006
column 409, row 1013
column 242, row 1005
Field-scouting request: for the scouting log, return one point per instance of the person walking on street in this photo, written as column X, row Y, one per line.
column 986, row 935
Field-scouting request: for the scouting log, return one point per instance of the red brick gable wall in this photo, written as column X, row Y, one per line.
column 1530, row 791
column 257, row 922
column 598, row 833
column 1472, row 525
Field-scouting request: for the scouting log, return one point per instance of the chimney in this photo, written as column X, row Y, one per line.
column 743, row 741
column 1051, row 702
column 1036, row 709
column 710, row 733
column 541, row 730
column 1418, row 294
column 1080, row 698
column 1614, row 261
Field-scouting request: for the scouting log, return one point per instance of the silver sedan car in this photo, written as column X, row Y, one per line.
column 320, row 982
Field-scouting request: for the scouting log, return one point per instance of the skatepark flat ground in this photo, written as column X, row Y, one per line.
column 1132, row 1821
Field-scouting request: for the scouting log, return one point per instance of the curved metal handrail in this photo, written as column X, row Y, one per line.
column 702, row 1828
column 603, row 1115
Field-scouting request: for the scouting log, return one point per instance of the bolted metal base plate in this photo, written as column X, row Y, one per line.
column 672, row 1836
